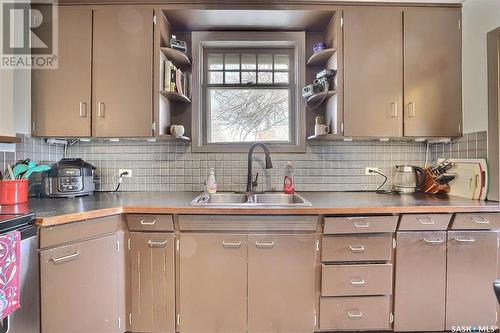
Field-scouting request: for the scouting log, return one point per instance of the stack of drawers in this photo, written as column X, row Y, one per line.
column 357, row 273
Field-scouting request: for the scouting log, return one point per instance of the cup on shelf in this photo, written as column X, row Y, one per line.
column 320, row 128
column 177, row 130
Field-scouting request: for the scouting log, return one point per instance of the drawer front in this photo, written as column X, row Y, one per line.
column 347, row 248
column 355, row 313
column 146, row 222
column 423, row 222
column 360, row 224
column 356, row 280
column 489, row 221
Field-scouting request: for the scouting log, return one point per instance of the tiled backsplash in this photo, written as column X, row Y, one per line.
column 171, row 166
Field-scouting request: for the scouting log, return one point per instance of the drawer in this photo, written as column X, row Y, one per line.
column 479, row 221
column 147, row 222
column 423, row 222
column 342, row 248
column 360, row 224
column 356, row 280
column 355, row 313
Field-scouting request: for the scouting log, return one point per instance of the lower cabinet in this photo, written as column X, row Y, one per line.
column 472, row 268
column 152, row 282
column 79, row 287
column 420, row 283
column 239, row 283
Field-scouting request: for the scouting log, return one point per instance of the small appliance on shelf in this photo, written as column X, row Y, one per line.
column 70, row 177
column 178, row 44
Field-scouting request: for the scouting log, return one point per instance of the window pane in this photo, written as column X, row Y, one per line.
column 281, row 61
column 246, row 115
column 265, row 61
column 215, row 61
column 248, row 77
column 248, row 61
column 215, row 77
column 232, row 61
column 232, row 77
column 281, row 77
column 265, row 77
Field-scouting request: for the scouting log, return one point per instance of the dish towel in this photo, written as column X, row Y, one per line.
column 10, row 248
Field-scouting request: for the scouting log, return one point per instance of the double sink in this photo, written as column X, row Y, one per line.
column 232, row 199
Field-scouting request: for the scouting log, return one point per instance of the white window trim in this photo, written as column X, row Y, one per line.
column 219, row 39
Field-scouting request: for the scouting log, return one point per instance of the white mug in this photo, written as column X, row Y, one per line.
column 321, row 129
column 177, row 130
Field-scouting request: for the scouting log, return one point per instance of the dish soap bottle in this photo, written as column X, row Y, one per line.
column 288, row 185
column 211, row 182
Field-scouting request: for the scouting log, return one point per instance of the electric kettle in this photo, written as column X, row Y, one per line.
column 408, row 179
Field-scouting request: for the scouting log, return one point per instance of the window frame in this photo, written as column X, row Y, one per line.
column 242, row 42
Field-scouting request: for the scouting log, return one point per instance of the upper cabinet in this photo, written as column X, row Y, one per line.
column 103, row 86
column 373, row 71
column 432, row 72
column 61, row 97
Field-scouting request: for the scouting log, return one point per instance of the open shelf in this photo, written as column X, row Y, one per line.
column 10, row 139
column 177, row 57
column 173, row 137
column 175, row 96
column 321, row 58
column 318, row 97
column 326, row 137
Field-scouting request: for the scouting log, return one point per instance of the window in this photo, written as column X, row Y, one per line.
column 247, row 91
column 248, row 95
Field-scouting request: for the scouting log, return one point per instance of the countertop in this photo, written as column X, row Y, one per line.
column 59, row 211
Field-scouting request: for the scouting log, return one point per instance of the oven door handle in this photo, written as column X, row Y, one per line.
column 5, row 328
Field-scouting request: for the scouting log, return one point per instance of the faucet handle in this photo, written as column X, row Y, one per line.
column 255, row 182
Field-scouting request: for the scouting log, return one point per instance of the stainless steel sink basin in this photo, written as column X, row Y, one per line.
column 269, row 199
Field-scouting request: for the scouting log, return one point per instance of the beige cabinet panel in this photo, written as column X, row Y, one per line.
column 373, row 71
column 281, row 283
column 471, row 270
column 152, row 282
column 61, row 98
column 213, row 283
column 79, row 287
column 122, row 72
column 432, row 72
column 419, row 294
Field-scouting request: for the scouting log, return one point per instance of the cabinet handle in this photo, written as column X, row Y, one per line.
column 480, row 220
column 433, row 241
column 359, row 314
column 101, row 110
column 411, row 110
column 65, row 258
column 148, row 223
column 394, row 109
column 362, row 224
column 231, row 245
column 268, row 245
column 83, row 109
column 465, row 239
column 152, row 243
column 426, row 221
column 359, row 282
column 357, row 248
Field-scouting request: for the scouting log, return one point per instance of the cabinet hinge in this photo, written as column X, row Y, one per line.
column 117, row 246
column 342, row 22
column 317, row 245
column 128, row 244
column 459, row 24
column 315, row 320
column 394, row 243
column 154, row 19
column 33, row 127
column 119, row 322
column 459, row 128
column 178, row 319
column 130, row 318
column 498, row 243
column 391, row 317
column 153, row 127
column 342, row 128
column 178, row 244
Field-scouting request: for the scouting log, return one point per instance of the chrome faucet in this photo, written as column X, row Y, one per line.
column 251, row 183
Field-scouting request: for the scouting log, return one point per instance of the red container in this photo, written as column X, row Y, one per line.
column 13, row 191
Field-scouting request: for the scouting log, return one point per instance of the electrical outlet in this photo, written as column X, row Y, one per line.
column 120, row 171
column 368, row 169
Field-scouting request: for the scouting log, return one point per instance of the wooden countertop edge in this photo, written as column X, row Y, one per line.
column 81, row 216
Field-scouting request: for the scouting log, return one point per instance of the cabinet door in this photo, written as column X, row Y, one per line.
column 60, row 99
column 122, row 72
column 281, row 283
column 79, row 287
column 152, row 282
column 472, row 268
column 432, row 72
column 213, row 283
column 373, row 72
column 419, row 303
